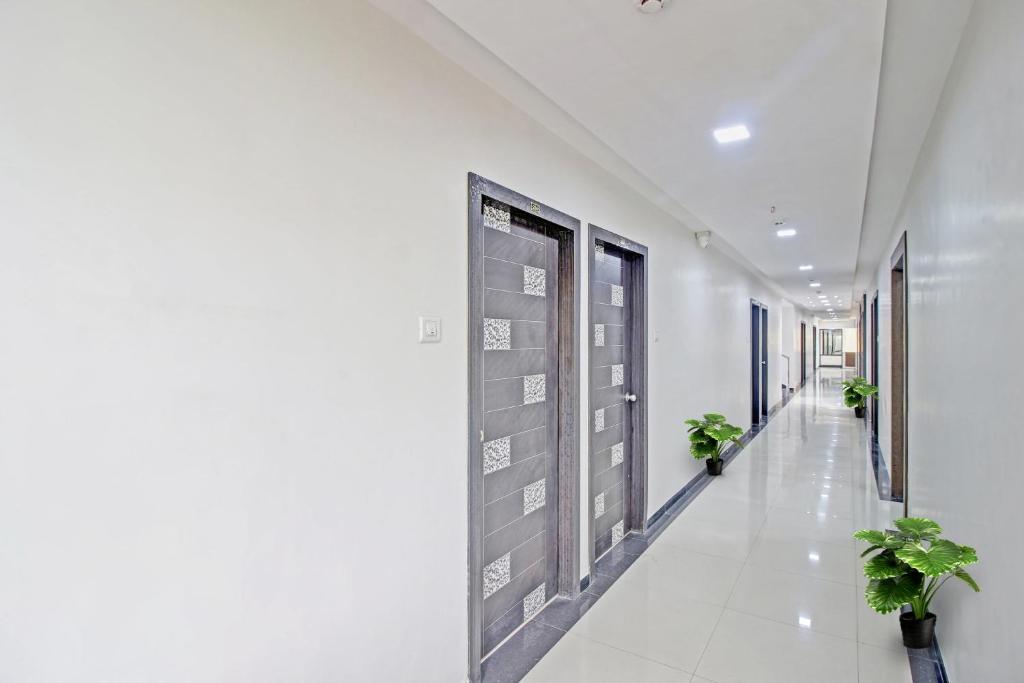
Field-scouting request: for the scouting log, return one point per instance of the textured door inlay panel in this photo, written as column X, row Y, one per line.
column 534, row 281
column 608, row 385
column 617, row 532
column 496, row 215
column 497, row 454
column 533, row 603
column 497, row 334
column 520, row 316
column 534, row 388
column 497, row 574
column 533, row 497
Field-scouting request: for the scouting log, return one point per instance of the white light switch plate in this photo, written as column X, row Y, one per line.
column 430, row 330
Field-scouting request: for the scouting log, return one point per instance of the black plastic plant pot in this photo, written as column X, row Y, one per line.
column 859, row 411
column 917, row 633
column 714, row 466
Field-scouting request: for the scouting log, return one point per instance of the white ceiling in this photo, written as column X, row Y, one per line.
column 921, row 37
column 801, row 74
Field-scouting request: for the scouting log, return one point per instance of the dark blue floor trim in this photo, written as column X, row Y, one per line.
column 521, row 652
column 882, row 480
column 926, row 664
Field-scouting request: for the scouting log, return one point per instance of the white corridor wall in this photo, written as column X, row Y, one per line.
column 964, row 218
column 223, row 455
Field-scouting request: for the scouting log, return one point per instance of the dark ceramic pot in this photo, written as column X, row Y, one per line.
column 917, row 633
column 714, row 466
column 859, row 411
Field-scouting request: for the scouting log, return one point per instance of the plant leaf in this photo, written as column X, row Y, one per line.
column 888, row 595
column 884, row 566
column 968, row 579
column 918, row 528
column 941, row 558
column 879, row 539
column 871, row 536
column 714, row 418
column 968, row 555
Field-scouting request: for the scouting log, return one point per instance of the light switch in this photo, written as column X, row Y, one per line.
column 430, row 330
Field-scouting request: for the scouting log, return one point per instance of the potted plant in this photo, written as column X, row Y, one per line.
column 708, row 437
column 855, row 392
column 912, row 564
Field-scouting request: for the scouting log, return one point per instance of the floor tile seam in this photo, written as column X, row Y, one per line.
column 802, row 574
column 796, row 628
column 707, row 643
column 707, row 554
column 699, row 601
column 801, row 537
column 619, row 648
column 631, row 652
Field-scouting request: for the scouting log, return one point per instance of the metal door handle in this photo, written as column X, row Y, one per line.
column 631, row 398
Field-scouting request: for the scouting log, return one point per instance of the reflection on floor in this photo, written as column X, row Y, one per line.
column 758, row 579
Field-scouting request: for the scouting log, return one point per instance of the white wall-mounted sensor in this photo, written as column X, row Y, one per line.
column 703, row 238
column 430, row 330
column 650, row 6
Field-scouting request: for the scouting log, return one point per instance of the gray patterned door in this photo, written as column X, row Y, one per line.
column 520, row 419
column 610, row 373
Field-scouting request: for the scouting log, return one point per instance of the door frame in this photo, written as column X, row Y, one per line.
column 568, row 398
column 758, row 362
column 803, row 352
column 814, row 348
column 874, row 363
column 862, row 338
column 898, row 264
column 764, row 362
column 636, row 515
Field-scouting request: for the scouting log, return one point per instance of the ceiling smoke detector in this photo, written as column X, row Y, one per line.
column 650, row 6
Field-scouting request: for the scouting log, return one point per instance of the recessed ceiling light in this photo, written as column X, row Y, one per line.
column 787, row 232
column 806, row 267
column 731, row 134
column 815, row 284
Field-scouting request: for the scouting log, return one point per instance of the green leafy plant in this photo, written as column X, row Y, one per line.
column 912, row 565
column 856, row 390
column 709, row 436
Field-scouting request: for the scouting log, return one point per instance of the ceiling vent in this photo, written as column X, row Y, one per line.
column 650, row 6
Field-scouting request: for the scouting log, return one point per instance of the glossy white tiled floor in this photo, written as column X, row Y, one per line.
column 758, row 579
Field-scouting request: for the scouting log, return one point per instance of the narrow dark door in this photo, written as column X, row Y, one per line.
column 862, row 368
column 520, row 419
column 612, row 396
column 874, row 363
column 898, row 372
column 803, row 353
column 764, row 362
column 814, row 347
column 755, row 363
